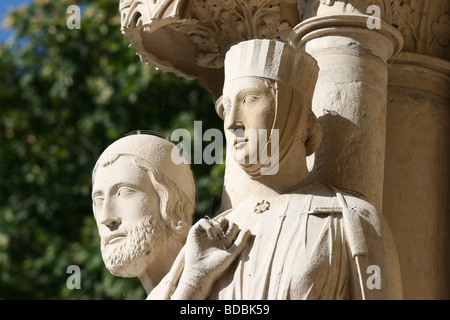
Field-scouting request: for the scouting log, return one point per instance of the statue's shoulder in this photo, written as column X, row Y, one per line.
column 351, row 193
column 358, row 204
column 352, row 199
column 374, row 225
column 357, row 200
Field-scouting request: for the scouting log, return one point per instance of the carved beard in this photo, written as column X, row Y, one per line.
column 130, row 256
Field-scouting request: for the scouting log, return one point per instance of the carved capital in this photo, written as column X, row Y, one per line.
column 384, row 43
column 424, row 24
column 191, row 37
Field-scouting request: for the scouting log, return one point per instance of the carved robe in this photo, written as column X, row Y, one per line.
column 300, row 252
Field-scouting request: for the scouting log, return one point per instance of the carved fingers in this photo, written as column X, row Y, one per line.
column 235, row 239
column 205, row 227
column 210, row 249
column 221, row 239
column 239, row 244
column 227, row 232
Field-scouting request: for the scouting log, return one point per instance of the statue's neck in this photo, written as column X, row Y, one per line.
column 291, row 175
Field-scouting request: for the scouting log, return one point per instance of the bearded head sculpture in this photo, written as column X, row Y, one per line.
column 143, row 203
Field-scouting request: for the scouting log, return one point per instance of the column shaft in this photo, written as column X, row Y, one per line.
column 350, row 99
column 416, row 186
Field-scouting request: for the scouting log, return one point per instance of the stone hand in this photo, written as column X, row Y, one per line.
column 210, row 249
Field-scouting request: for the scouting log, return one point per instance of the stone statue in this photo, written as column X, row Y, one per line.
column 308, row 240
column 143, row 204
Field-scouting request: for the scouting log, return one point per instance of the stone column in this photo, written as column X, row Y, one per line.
column 351, row 96
column 415, row 190
column 416, row 187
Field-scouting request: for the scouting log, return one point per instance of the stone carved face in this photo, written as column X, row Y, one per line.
column 126, row 209
column 249, row 114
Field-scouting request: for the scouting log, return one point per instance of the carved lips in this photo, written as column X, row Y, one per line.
column 114, row 237
column 240, row 142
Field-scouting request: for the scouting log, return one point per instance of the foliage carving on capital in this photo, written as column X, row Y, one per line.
column 212, row 25
column 440, row 30
column 424, row 24
column 215, row 25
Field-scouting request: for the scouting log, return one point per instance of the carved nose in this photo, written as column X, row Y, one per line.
column 112, row 223
column 233, row 120
column 109, row 217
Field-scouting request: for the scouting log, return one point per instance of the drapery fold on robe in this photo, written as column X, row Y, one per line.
column 316, row 245
column 293, row 254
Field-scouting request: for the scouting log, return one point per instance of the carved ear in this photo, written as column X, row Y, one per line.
column 219, row 107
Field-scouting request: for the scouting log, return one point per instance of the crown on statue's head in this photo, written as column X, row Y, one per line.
column 272, row 60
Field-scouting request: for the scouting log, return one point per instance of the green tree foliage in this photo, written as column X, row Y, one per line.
column 65, row 95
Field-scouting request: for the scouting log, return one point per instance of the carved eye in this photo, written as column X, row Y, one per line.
column 250, row 98
column 98, row 201
column 123, row 191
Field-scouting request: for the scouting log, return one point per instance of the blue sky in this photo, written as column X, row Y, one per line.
column 4, row 6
